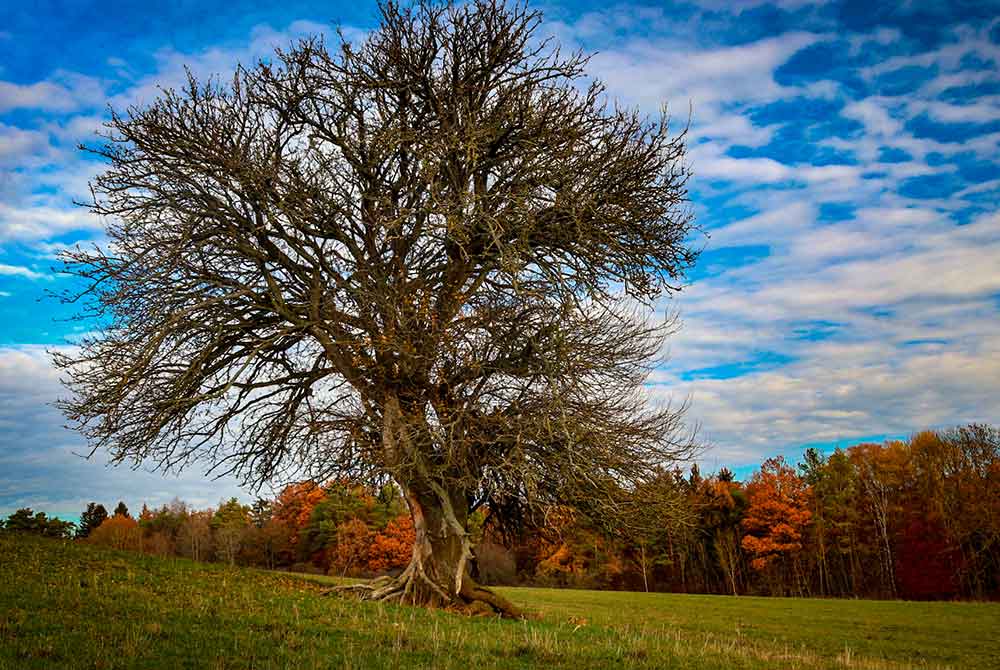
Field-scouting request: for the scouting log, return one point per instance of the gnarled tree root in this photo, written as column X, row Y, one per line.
column 413, row 587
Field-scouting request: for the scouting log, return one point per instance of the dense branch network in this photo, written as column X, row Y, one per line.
column 429, row 258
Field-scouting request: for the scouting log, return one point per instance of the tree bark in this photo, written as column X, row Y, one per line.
column 439, row 573
column 642, row 554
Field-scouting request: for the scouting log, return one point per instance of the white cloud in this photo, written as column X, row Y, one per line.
column 874, row 113
column 23, row 148
column 64, row 92
column 841, row 392
column 648, row 72
column 712, row 165
column 41, row 95
column 18, row 271
column 40, row 174
column 986, row 110
column 41, row 222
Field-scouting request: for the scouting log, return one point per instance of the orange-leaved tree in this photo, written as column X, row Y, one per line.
column 392, row 548
column 295, row 505
column 349, row 556
column 118, row 532
column 775, row 521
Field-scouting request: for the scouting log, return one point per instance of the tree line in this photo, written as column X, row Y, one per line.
column 916, row 519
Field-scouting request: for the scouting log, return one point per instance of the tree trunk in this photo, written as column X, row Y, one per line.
column 439, row 573
column 642, row 554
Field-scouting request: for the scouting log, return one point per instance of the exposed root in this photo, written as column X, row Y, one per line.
column 413, row 587
column 473, row 593
column 363, row 589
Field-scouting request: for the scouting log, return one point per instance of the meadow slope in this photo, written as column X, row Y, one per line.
column 66, row 605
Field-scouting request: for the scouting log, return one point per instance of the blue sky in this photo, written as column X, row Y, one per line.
column 846, row 173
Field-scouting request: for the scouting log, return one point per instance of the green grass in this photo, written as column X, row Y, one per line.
column 63, row 605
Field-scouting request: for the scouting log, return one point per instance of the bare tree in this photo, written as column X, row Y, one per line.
column 429, row 258
column 194, row 537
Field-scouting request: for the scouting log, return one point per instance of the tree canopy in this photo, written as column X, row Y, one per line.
column 429, row 258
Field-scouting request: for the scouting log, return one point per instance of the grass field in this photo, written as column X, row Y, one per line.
column 63, row 605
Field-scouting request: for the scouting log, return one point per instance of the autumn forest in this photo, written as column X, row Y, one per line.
column 913, row 519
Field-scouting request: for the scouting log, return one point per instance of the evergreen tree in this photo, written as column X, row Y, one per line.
column 261, row 512
column 25, row 520
column 90, row 519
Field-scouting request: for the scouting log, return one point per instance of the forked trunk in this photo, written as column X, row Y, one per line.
column 440, row 567
column 440, row 551
column 439, row 572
